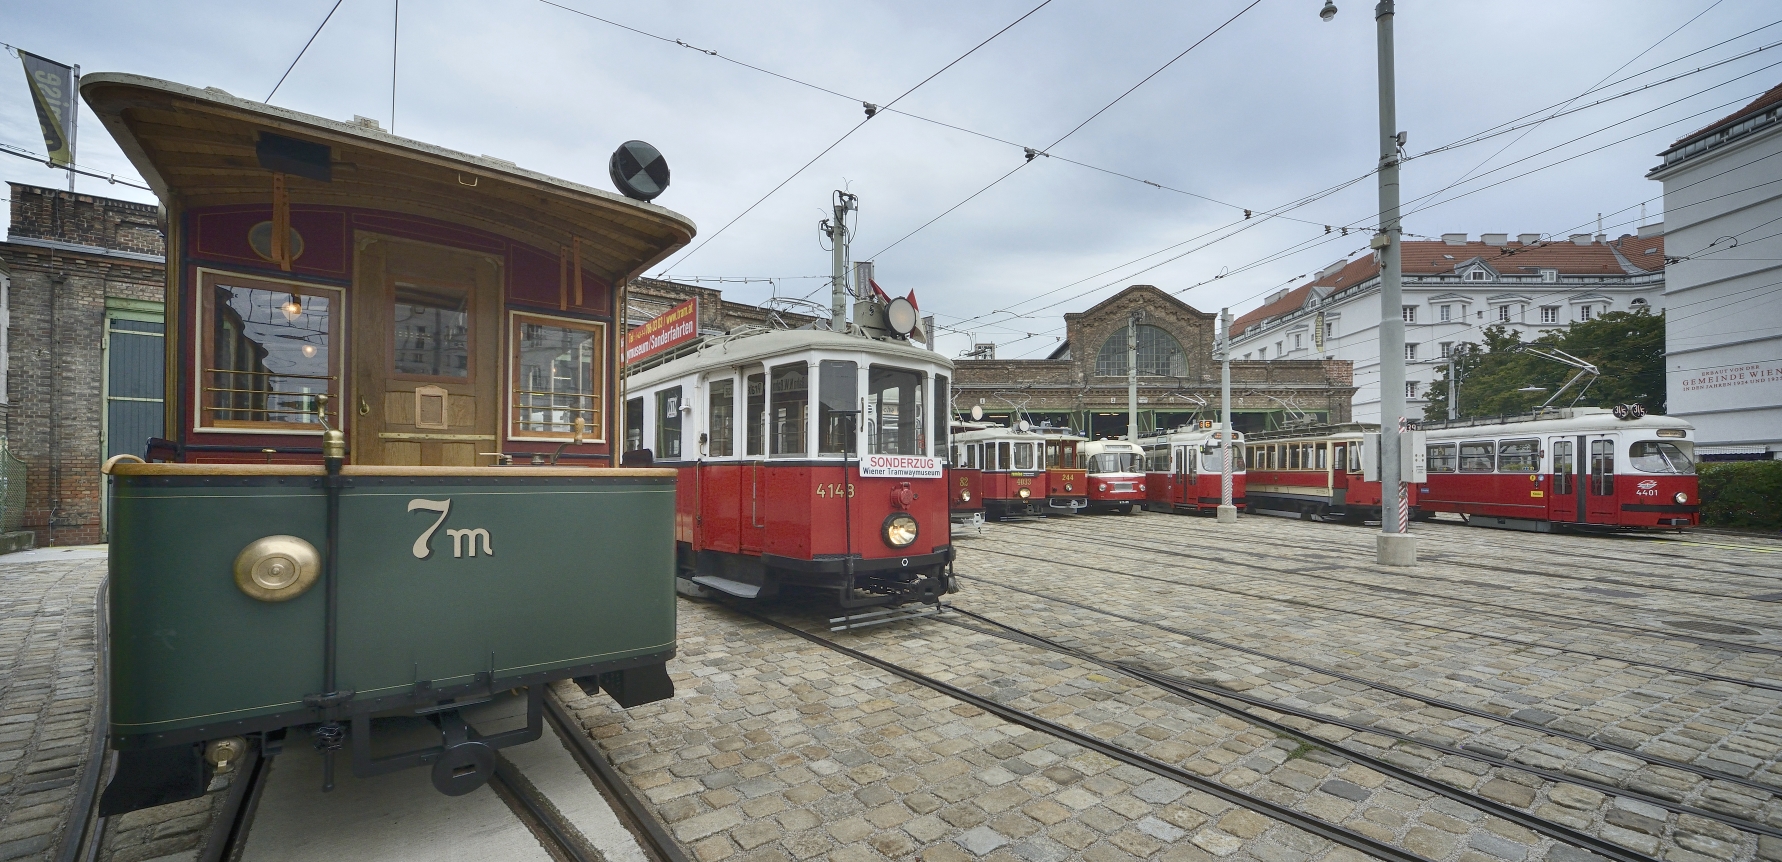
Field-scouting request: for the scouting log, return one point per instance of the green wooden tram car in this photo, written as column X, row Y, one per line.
column 386, row 487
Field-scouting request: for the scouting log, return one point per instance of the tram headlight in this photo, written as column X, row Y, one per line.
column 1024, row 493
column 1067, row 487
column 1102, row 487
column 1141, row 486
column 1681, row 498
column 900, row 530
column 964, row 496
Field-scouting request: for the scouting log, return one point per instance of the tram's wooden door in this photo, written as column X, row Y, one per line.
column 426, row 354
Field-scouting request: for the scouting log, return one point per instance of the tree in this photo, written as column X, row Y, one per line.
column 1627, row 349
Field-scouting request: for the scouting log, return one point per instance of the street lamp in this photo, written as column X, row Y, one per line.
column 1395, row 547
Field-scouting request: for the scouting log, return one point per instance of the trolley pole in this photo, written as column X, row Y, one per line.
column 838, row 261
column 1395, row 546
column 1132, row 321
column 1227, row 511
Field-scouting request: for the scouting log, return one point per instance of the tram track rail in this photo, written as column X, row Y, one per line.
column 1334, row 833
column 1703, row 772
column 1214, row 697
column 1473, row 563
column 1705, row 675
column 1277, row 574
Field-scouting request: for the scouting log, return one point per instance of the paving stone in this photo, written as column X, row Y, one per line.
column 981, row 840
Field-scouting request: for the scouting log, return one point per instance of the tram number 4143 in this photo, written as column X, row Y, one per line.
column 833, row 489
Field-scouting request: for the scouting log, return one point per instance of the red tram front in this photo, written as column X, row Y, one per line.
column 807, row 459
column 965, row 496
column 1027, row 471
column 1184, row 473
column 1115, row 478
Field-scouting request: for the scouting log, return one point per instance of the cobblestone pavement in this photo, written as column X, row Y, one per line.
column 46, row 693
column 775, row 748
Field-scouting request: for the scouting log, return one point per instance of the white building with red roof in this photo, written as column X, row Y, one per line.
column 1723, row 335
column 1453, row 289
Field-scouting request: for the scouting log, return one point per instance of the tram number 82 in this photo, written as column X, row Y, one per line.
column 833, row 489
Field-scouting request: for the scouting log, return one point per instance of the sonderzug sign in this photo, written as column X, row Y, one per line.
column 901, row 466
column 672, row 328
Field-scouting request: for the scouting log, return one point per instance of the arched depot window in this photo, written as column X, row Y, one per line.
column 1158, row 354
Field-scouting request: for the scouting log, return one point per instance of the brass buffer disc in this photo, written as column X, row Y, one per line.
column 277, row 568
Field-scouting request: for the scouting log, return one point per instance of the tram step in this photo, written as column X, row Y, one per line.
column 728, row 586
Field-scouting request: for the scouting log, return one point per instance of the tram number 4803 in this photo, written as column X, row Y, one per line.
column 833, row 489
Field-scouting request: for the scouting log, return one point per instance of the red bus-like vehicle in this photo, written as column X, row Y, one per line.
column 808, row 459
column 1116, row 476
column 1184, row 474
column 1027, row 470
column 1559, row 468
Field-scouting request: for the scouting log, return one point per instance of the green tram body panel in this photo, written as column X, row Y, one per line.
column 581, row 573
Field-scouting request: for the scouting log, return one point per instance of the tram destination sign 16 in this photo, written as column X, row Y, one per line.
column 672, row 328
column 900, row 466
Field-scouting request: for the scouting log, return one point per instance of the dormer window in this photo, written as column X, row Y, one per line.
column 1477, row 275
column 1549, row 275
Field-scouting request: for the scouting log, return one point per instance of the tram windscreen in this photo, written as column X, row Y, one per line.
column 1657, row 456
column 1210, row 460
column 268, row 356
column 943, row 410
column 556, row 379
column 432, row 331
column 756, row 413
column 722, row 416
column 894, row 397
column 1115, row 462
column 838, row 387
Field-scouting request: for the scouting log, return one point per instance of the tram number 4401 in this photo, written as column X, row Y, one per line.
column 833, row 489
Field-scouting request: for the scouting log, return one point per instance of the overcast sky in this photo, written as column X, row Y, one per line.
column 1275, row 107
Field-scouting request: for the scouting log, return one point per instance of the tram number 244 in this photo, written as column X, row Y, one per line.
column 833, row 489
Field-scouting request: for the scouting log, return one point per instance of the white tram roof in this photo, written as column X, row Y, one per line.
column 1189, row 435
column 1580, row 420
column 1003, row 432
column 1095, row 447
column 765, row 346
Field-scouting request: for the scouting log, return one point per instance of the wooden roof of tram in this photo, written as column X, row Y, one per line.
column 196, row 148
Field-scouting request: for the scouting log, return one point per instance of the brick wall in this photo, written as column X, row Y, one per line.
column 81, row 219
column 55, row 382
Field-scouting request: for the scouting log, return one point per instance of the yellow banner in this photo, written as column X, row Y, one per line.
column 52, row 90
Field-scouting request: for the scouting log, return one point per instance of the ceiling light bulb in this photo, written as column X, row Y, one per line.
column 292, row 308
column 309, row 351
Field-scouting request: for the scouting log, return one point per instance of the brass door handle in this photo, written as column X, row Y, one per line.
column 364, row 408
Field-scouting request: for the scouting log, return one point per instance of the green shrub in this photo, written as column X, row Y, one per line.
column 1745, row 494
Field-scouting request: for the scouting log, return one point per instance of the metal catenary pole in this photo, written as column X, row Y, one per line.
column 1453, row 388
column 838, row 264
column 1132, row 321
column 1396, row 548
column 1227, row 512
column 73, row 124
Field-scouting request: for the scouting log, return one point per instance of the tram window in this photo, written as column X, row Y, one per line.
column 634, row 422
column 1442, row 458
column 1295, row 453
column 1323, row 453
column 431, row 335
column 1650, row 456
column 1519, row 456
column 1114, row 462
column 1476, row 457
column 721, row 419
column 668, row 423
column 1354, row 457
column 943, row 399
column 1024, row 459
column 1212, row 462
column 756, row 410
column 1602, row 467
column 790, row 400
column 1002, row 457
column 557, row 378
column 269, row 353
column 897, row 426
column 838, row 399
column 1564, row 468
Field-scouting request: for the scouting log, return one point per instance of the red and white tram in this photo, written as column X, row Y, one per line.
column 1184, row 474
column 807, row 459
column 1571, row 467
column 1027, row 470
column 1312, row 472
column 965, row 498
column 1116, row 475
column 1579, row 466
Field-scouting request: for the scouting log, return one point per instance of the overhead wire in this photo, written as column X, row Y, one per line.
column 845, row 136
column 312, row 39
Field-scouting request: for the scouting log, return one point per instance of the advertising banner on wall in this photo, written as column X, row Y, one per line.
column 672, row 328
column 52, row 91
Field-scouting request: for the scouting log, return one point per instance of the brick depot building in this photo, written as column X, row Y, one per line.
column 1083, row 384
